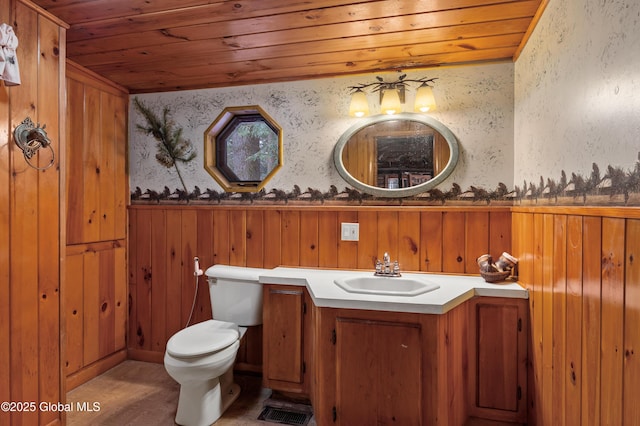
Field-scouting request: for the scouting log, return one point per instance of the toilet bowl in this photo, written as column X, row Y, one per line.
column 201, row 357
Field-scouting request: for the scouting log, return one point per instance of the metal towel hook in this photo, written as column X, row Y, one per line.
column 30, row 138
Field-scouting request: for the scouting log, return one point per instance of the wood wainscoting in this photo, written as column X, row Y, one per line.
column 582, row 269
column 95, row 286
column 31, row 220
column 165, row 238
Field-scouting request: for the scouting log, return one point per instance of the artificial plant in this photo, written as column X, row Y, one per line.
column 172, row 147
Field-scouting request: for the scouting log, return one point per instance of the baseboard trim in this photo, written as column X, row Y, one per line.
column 146, row 356
column 94, row 370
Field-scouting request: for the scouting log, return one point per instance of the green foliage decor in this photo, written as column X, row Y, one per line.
column 172, row 147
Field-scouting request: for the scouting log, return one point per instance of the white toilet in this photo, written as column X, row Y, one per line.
column 200, row 357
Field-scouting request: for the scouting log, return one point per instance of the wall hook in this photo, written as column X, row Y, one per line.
column 30, row 138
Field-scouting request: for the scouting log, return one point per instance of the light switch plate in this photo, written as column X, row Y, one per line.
column 350, row 231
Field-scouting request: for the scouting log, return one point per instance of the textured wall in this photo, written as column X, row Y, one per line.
column 576, row 91
column 475, row 102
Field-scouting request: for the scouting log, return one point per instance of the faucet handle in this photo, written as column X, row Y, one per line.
column 396, row 268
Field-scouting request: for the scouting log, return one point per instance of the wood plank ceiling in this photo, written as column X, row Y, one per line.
column 163, row 45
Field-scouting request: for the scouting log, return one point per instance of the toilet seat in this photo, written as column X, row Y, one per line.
column 201, row 339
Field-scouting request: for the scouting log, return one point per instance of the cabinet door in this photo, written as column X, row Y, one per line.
column 283, row 340
column 499, row 356
column 378, row 372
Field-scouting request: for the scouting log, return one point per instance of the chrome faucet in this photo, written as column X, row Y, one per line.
column 384, row 268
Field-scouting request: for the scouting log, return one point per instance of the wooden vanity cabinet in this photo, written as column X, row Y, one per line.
column 498, row 359
column 375, row 367
column 286, row 332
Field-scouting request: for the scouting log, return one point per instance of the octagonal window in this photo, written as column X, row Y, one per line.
column 243, row 149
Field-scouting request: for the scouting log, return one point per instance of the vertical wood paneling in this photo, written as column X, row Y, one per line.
column 189, row 230
column 523, row 249
column 548, row 391
column 132, row 274
column 476, row 239
column 328, row 235
column 220, row 244
column 91, row 165
column 591, row 276
column 290, row 228
column 497, row 344
column 106, row 302
column 409, row 241
column 587, row 336
column 288, row 236
column 141, row 339
column 205, row 235
column 309, row 241
column 158, row 280
column 91, row 303
column 96, row 149
column 559, row 289
column 24, row 238
column 457, row 348
column 368, row 250
column 453, row 242
column 121, row 290
column 106, row 170
column 237, row 238
column 174, row 269
column 272, row 238
column 255, row 238
column 121, row 193
column 573, row 362
column 74, row 313
column 132, row 247
column 500, row 232
column 30, row 222
column 431, row 241
column 74, row 151
column 388, row 240
column 5, row 256
column 49, row 201
column 96, row 216
column 631, row 381
column 535, row 289
column 612, row 326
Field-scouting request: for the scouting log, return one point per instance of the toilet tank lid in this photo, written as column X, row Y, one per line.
column 240, row 273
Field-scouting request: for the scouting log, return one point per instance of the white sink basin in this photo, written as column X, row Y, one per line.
column 389, row 286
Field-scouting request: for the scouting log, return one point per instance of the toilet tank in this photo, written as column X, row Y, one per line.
column 236, row 294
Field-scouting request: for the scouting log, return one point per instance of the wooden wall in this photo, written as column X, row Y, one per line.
column 95, row 288
column 30, row 219
column 581, row 266
column 164, row 240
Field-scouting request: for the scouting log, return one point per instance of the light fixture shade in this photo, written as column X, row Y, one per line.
column 359, row 105
column 390, row 101
column 425, row 101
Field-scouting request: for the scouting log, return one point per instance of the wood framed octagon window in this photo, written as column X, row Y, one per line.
column 243, row 149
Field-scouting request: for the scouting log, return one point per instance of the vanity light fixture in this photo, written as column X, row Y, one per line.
column 392, row 96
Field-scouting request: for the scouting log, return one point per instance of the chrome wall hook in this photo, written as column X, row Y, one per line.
column 30, row 138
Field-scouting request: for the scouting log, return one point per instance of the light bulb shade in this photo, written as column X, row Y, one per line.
column 359, row 105
column 425, row 101
column 390, row 101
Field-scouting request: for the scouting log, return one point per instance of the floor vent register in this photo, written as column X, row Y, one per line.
column 284, row 416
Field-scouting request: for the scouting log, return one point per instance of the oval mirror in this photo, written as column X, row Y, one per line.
column 397, row 155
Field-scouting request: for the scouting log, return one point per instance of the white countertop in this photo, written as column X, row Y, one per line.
column 454, row 289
